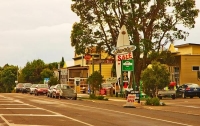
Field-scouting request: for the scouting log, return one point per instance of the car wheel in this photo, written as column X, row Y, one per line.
column 54, row 95
column 74, row 98
column 173, row 96
column 191, row 96
column 183, row 95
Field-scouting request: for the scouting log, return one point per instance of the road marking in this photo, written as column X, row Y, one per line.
column 56, row 114
column 188, row 106
column 6, row 121
column 141, row 116
column 32, row 115
column 19, row 108
column 64, row 116
column 13, row 104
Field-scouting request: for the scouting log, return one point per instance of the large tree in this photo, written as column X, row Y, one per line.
column 155, row 77
column 32, row 71
column 151, row 24
column 8, row 77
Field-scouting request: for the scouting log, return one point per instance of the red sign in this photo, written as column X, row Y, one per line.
column 124, row 56
column 87, row 57
column 172, row 84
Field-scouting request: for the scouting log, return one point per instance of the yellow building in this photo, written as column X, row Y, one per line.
column 187, row 63
column 96, row 62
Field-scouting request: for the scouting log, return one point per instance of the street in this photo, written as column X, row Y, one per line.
column 18, row 109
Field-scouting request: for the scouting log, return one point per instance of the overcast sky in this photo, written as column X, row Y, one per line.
column 40, row 29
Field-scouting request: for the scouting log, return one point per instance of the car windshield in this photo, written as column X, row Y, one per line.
column 42, row 86
column 34, row 85
column 20, row 85
column 27, row 84
column 192, row 85
column 65, row 87
column 52, row 86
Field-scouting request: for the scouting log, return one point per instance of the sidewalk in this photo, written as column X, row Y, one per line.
column 114, row 100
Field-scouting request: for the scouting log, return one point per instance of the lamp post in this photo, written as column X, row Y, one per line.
column 59, row 72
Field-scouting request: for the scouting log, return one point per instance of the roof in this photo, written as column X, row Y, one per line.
column 78, row 67
column 187, row 44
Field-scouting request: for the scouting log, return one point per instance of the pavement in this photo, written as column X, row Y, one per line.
column 116, row 101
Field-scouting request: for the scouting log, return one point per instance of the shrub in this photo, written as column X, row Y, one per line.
column 100, row 97
column 92, row 96
column 153, row 101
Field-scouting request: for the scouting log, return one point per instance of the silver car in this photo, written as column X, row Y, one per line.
column 32, row 89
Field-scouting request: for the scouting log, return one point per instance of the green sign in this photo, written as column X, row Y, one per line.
column 128, row 65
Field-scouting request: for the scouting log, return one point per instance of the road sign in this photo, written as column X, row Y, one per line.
column 128, row 65
column 46, row 80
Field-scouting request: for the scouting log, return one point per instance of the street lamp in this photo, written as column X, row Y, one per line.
column 59, row 72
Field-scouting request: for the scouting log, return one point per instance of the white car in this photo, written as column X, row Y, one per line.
column 32, row 88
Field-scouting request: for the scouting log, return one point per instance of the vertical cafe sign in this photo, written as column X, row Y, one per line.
column 123, row 50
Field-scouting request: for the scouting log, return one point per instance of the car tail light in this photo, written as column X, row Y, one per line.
column 187, row 89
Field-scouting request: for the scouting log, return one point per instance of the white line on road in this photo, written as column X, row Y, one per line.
column 20, row 108
column 188, row 106
column 147, row 117
column 31, row 115
column 13, row 104
column 56, row 114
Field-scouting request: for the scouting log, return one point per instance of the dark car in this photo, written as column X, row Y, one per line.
column 26, row 87
column 19, row 87
column 50, row 91
column 188, row 90
column 41, row 89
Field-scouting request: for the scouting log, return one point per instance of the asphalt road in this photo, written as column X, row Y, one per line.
column 18, row 109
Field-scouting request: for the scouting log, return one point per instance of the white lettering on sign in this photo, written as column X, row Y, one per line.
column 125, row 56
column 124, row 49
column 127, row 63
column 131, row 98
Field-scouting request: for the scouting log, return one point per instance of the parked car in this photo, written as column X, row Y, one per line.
column 41, row 89
column 108, row 87
column 64, row 91
column 188, row 90
column 167, row 92
column 26, row 87
column 19, row 87
column 32, row 88
column 50, row 91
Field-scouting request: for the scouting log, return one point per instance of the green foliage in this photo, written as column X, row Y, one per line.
column 53, row 81
column 92, row 96
column 150, row 25
column 95, row 80
column 155, row 77
column 46, row 73
column 8, row 77
column 62, row 62
column 100, row 97
column 52, row 66
column 31, row 72
column 153, row 101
